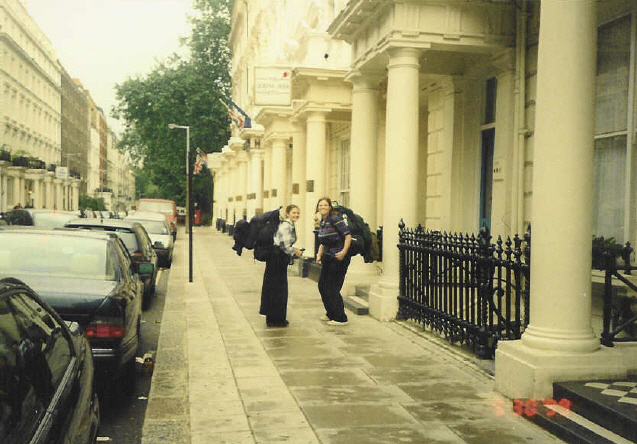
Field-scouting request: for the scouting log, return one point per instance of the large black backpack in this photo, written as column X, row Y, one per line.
column 362, row 238
column 257, row 235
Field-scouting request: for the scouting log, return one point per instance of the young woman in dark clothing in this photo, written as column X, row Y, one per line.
column 335, row 240
column 274, row 293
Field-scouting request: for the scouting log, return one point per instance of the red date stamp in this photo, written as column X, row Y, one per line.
column 529, row 407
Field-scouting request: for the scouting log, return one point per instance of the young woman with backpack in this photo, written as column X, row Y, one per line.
column 274, row 293
column 335, row 240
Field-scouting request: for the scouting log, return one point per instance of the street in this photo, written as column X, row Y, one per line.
column 122, row 422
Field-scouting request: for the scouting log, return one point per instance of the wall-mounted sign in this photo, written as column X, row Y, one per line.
column 272, row 86
column 62, row 172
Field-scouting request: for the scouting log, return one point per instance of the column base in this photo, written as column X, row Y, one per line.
column 383, row 300
column 525, row 372
column 359, row 273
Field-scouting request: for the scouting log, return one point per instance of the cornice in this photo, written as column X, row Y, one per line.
column 269, row 113
column 29, row 60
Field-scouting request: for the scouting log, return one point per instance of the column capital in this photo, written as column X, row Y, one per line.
column 404, row 57
column 364, row 80
column 257, row 153
column 316, row 115
column 242, row 157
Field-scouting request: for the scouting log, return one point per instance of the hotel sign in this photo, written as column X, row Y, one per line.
column 272, row 86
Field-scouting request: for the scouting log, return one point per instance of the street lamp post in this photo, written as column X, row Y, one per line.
column 188, row 215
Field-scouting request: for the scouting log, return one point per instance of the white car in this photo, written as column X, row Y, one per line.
column 159, row 232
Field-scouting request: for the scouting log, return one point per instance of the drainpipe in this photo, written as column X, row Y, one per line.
column 520, row 119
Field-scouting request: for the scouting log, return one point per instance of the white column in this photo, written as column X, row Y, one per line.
column 4, row 191
column 401, row 172
column 256, row 175
column 501, row 208
column 315, row 171
column 48, row 181
column 37, row 196
column 559, row 343
column 278, row 173
column 75, row 199
column 267, row 168
column 363, row 161
column 298, row 180
column 58, row 194
column 18, row 191
column 242, row 168
column 234, row 185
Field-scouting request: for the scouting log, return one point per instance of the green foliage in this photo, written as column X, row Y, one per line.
column 185, row 92
column 94, row 203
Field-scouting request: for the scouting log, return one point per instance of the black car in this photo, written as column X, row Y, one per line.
column 47, row 393
column 87, row 278
column 137, row 241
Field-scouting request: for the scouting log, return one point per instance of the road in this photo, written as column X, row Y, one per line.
column 121, row 423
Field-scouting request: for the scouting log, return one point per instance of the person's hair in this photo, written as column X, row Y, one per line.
column 290, row 208
column 326, row 199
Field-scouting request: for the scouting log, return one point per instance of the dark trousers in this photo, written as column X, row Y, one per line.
column 330, row 284
column 274, row 293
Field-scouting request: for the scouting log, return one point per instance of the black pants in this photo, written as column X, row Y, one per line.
column 330, row 284
column 274, row 293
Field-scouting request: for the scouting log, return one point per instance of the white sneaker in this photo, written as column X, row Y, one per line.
column 336, row 323
column 323, row 318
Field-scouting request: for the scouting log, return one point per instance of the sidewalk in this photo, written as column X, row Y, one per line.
column 222, row 376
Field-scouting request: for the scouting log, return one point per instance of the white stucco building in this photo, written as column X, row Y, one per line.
column 454, row 115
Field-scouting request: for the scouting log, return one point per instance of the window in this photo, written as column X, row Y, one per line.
column 487, row 150
column 344, row 160
column 611, row 129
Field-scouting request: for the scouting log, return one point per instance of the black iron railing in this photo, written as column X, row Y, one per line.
column 620, row 320
column 464, row 287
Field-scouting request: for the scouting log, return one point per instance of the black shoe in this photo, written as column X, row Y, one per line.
column 277, row 323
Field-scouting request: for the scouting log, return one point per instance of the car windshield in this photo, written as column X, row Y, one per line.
column 51, row 219
column 55, row 255
column 160, row 207
column 154, row 226
column 127, row 235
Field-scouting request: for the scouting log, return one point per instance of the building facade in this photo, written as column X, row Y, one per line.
column 45, row 140
column 453, row 115
column 75, row 128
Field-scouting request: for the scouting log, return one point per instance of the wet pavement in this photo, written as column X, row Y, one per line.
column 222, row 376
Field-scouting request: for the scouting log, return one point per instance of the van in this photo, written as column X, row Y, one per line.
column 164, row 206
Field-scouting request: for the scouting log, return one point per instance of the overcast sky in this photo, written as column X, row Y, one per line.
column 103, row 42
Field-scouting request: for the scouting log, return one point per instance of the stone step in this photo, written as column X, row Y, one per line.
column 362, row 291
column 357, row 305
column 603, row 411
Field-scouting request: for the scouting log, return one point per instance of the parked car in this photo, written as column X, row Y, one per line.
column 50, row 218
column 159, row 233
column 87, row 278
column 164, row 206
column 135, row 239
column 47, row 393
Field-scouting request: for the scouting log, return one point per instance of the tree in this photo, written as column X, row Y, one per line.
column 184, row 92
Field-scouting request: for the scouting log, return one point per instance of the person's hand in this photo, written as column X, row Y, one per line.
column 298, row 252
column 318, row 259
column 340, row 255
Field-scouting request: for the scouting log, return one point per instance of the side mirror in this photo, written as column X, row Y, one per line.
column 145, row 269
